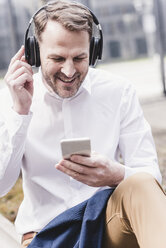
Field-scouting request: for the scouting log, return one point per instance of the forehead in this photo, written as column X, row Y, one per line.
column 57, row 40
column 55, row 31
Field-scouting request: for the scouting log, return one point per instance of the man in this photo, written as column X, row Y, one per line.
column 67, row 99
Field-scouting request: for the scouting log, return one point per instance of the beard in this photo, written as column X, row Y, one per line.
column 63, row 86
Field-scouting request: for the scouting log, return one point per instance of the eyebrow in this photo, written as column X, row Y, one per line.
column 58, row 55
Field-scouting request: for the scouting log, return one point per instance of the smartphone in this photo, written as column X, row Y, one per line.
column 80, row 146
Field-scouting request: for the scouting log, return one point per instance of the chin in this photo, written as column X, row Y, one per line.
column 67, row 92
column 66, row 95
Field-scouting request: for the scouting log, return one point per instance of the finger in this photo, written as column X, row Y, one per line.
column 18, row 55
column 18, row 73
column 23, row 59
column 20, row 81
column 83, row 178
column 17, row 65
column 72, row 173
column 80, row 168
column 83, row 160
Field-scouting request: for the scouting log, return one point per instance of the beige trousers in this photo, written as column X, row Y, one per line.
column 135, row 215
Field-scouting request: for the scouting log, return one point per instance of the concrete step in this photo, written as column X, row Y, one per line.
column 8, row 235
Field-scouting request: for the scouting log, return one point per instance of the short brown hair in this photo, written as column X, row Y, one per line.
column 73, row 16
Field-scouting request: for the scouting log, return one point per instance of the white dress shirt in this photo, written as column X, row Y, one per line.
column 105, row 109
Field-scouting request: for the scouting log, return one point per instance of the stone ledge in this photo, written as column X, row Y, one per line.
column 8, row 235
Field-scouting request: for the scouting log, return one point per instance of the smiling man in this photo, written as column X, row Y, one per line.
column 67, row 99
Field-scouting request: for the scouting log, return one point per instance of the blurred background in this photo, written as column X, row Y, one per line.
column 134, row 47
column 133, row 30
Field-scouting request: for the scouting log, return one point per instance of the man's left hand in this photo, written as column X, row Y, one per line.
column 95, row 171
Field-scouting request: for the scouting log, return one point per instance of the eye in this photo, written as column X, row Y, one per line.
column 78, row 59
column 58, row 59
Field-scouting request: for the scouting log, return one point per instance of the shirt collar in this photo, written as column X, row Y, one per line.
column 85, row 86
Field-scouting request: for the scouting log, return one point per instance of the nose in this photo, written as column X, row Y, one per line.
column 68, row 68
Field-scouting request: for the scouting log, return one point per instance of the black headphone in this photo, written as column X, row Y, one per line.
column 32, row 52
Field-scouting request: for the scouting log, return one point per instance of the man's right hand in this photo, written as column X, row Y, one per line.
column 19, row 79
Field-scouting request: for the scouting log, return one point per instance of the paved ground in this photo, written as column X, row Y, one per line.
column 155, row 113
column 145, row 76
column 143, row 73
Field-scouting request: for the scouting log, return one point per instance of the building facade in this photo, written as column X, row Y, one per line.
column 123, row 23
column 128, row 27
column 14, row 18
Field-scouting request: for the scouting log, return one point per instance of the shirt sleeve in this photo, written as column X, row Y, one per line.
column 136, row 142
column 13, row 130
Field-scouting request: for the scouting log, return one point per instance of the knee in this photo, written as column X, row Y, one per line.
column 133, row 192
column 139, row 183
column 141, row 179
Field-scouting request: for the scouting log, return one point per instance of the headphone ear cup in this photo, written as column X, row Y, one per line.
column 37, row 53
column 100, row 49
column 91, row 50
column 32, row 52
column 94, row 51
column 30, row 57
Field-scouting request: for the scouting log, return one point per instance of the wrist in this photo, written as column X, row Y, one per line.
column 21, row 111
column 119, row 174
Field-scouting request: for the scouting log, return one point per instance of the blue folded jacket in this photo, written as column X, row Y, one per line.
column 79, row 227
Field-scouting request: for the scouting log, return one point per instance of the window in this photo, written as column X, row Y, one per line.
column 141, row 46
column 115, row 50
column 121, row 26
column 127, row 9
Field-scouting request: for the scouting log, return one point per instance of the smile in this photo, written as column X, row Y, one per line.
column 67, row 81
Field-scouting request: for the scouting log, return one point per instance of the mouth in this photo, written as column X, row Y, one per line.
column 67, row 81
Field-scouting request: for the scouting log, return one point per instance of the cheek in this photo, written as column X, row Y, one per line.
column 49, row 68
column 84, row 69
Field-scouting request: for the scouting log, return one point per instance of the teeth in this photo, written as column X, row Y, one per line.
column 65, row 81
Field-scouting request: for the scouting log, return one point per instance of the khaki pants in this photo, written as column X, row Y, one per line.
column 135, row 215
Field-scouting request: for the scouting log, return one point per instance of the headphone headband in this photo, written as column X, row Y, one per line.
column 32, row 52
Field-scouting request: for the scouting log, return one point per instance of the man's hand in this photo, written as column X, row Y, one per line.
column 94, row 171
column 19, row 79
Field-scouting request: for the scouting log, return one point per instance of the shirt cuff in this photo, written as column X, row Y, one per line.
column 17, row 123
column 128, row 172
